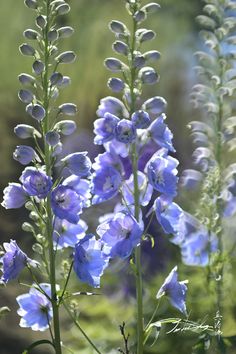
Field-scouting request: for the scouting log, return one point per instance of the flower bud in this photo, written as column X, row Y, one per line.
column 38, row 67
column 141, row 119
column 78, row 163
column 26, row 79
column 53, row 50
column 25, row 96
column 125, row 131
column 115, row 84
column 55, row 3
column 155, row 105
column 66, row 57
column 65, row 127
column 37, row 248
column 113, row 64
column 36, row 111
column 56, row 79
column 4, row 311
column 29, row 206
column 120, row 47
column 26, row 49
column 152, row 55
column 52, row 138
column 55, row 93
column 139, row 61
column 52, row 35
column 30, row 34
column 32, row 4
column 27, row 227
column 145, row 35
column 57, row 150
column 65, row 32
column 140, row 16
column 68, row 109
column 24, row 131
column 41, row 21
column 148, row 75
column 152, row 7
column 63, row 9
column 117, row 27
column 34, row 216
column 24, row 154
column 66, row 81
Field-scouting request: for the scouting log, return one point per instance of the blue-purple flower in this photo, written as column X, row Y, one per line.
column 104, row 128
column 120, row 235
column 35, row 182
column 162, row 174
column 160, row 133
column 106, row 184
column 66, row 203
column 24, row 154
column 67, row 234
column 112, row 105
column 78, row 163
column 171, row 218
column 35, row 308
column 125, row 131
column 89, row 260
column 14, row 196
column 145, row 190
column 13, row 261
column 81, row 186
column 175, row 290
column 141, row 119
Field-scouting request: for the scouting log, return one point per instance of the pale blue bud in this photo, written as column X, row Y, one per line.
column 52, row 138
column 52, row 35
column 24, row 131
column 30, row 34
column 66, row 57
column 41, row 21
column 140, row 16
column 65, row 127
column 36, row 111
column 148, row 75
column 155, row 105
column 120, row 47
column 152, row 55
column 55, row 3
column 117, row 27
column 139, row 61
column 26, row 49
column 66, row 81
column 68, row 109
column 65, row 32
column 32, row 4
column 113, row 64
column 57, row 150
column 25, row 96
column 38, row 67
column 152, row 7
column 145, row 35
column 115, row 84
column 26, row 79
column 56, row 78
column 24, row 154
column 63, row 9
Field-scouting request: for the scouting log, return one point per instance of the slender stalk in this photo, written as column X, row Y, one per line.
column 79, row 327
column 49, row 227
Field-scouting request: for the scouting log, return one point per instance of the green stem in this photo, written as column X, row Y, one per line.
column 79, row 327
column 49, row 227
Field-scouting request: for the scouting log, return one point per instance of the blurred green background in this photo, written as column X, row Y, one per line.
column 177, row 39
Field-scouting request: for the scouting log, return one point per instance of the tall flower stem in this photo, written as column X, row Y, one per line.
column 49, row 227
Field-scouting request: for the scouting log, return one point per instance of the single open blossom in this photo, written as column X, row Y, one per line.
column 120, row 235
column 66, row 203
column 89, row 260
column 13, row 261
column 67, row 234
column 145, row 190
column 78, row 163
column 35, row 308
column 171, row 218
column 35, row 182
column 197, row 247
column 104, row 128
column 162, row 174
column 106, row 183
column 160, row 133
column 14, row 196
column 175, row 290
column 81, row 186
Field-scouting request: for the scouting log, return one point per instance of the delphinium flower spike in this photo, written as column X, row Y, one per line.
column 55, row 203
column 136, row 164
